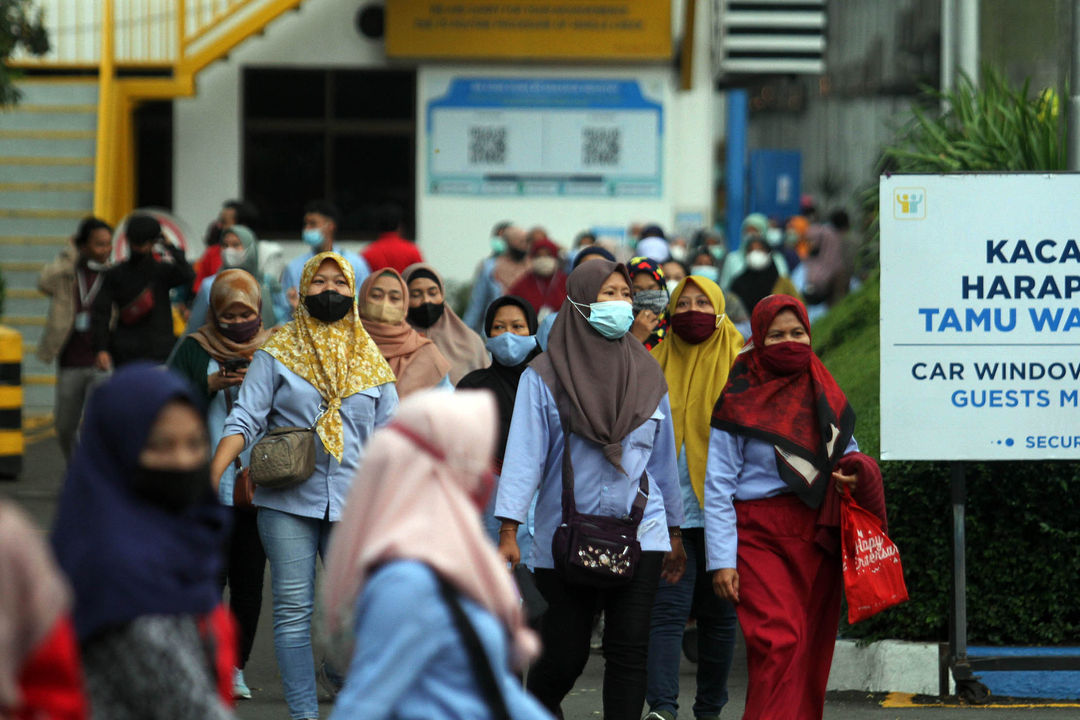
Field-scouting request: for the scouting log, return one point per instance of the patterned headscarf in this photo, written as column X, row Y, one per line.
column 339, row 359
column 638, row 265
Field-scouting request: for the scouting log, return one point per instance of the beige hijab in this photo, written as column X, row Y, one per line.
column 231, row 287
column 428, row 512
column 33, row 596
column 457, row 341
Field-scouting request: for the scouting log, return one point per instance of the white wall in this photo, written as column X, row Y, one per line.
column 207, row 136
column 452, row 231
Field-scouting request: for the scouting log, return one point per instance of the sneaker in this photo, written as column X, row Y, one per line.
column 660, row 715
column 327, row 681
column 240, row 690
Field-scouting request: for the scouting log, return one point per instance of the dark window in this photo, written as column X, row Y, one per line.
column 154, row 155
column 346, row 135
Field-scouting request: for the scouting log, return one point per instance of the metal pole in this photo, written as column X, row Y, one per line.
column 738, row 120
column 1073, row 118
column 966, row 27
column 948, row 49
column 958, row 641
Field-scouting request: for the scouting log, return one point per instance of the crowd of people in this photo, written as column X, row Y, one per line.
column 640, row 433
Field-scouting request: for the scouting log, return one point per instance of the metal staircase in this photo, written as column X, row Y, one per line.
column 67, row 150
column 46, row 186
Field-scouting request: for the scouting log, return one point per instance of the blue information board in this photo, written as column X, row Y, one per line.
column 775, row 179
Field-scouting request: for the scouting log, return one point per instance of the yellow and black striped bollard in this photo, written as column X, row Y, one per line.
column 12, row 442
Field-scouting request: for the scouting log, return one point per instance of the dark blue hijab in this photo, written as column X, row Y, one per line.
column 126, row 557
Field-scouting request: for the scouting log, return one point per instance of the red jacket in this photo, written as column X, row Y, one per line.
column 393, row 251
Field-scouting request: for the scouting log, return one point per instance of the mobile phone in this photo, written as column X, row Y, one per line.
column 235, row 364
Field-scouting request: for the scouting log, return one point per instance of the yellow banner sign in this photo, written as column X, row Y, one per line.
column 633, row 30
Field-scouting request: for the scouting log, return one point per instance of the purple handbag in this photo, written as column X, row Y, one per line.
column 596, row 550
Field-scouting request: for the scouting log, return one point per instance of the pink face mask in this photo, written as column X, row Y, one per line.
column 786, row 358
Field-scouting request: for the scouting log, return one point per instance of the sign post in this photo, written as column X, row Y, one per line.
column 980, row 341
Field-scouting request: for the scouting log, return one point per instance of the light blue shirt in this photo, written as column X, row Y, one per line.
column 739, row 468
column 290, row 278
column 410, row 662
column 216, row 414
column 693, row 516
column 274, row 396
column 484, row 291
column 534, row 460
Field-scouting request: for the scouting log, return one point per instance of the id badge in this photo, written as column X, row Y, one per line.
column 82, row 321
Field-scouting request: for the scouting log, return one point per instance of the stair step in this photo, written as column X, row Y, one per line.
column 24, row 294
column 34, row 160
column 67, row 92
column 31, row 200
column 20, row 321
column 23, row 306
column 46, row 109
column 46, row 187
column 8, row 134
column 21, row 279
column 30, row 255
column 17, row 223
column 83, row 171
column 51, row 240
column 40, row 145
column 61, row 121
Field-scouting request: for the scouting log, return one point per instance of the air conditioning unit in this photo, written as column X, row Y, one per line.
column 775, row 37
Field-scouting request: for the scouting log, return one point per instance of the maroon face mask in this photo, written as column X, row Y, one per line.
column 693, row 327
column 240, row 332
column 786, row 358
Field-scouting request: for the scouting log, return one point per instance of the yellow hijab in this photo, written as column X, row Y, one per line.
column 339, row 359
column 695, row 375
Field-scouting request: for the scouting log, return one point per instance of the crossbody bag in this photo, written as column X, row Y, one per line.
column 285, row 457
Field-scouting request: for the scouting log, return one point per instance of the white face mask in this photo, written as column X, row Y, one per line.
column 545, row 265
column 233, row 257
column 774, row 236
column 758, row 259
column 96, row 266
column 671, row 285
column 678, row 252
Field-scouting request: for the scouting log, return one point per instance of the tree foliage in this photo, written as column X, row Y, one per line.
column 21, row 26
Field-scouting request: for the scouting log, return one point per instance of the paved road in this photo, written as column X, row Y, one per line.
column 37, row 491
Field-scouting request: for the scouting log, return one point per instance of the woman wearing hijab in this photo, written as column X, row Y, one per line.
column 609, row 394
column 214, row 359
column 139, row 534
column 760, row 277
column 695, row 359
column 780, row 449
column 650, row 301
column 434, row 319
column 40, row 672
column 411, row 576
column 544, row 286
column 416, row 362
column 239, row 251
column 322, row 370
column 510, row 327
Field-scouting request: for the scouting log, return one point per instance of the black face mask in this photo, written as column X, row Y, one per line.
column 426, row 315
column 172, row 490
column 515, row 254
column 328, row 306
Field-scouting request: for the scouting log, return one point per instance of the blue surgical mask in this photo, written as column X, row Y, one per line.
column 313, row 237
column 611, row 318
column 498, row 245
column 509, row 349
column 717, row 251
column 706, row 271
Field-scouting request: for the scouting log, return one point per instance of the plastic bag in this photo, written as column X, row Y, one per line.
column 873, row 576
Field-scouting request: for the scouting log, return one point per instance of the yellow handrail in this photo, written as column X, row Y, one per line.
column 105, row 117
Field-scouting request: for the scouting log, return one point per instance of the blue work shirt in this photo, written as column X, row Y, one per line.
column 739, row 468
column 216, row 413
column 693, row 515
column 485, row 289
column 273, row 396
column 410, row 662
column 533, row 459
column 290, row 278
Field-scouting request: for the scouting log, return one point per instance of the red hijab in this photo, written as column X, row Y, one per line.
column 785, row 396
column 537, row 290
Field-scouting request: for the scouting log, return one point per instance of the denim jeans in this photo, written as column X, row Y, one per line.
column 716, row 635
column 291, row 543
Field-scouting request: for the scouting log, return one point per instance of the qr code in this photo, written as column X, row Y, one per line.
column 487, row 145
column 600, row 146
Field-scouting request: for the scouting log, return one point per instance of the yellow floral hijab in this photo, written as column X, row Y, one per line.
column 339, row 359
column 695, row 375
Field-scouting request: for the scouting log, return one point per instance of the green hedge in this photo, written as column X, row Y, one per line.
column 1023, row 519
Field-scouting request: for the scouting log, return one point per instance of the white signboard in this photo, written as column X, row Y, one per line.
column 980, row 317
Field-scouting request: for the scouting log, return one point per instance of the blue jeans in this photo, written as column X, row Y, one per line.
column 716, row 635
column 291, row 543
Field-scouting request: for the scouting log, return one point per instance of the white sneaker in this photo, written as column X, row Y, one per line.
column 240, row 690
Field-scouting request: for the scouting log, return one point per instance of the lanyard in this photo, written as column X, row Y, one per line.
column 86, row 297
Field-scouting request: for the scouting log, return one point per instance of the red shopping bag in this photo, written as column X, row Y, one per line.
column 873, row 576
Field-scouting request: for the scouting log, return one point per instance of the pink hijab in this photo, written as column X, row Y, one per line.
column 406, row 503
column 33, row 596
